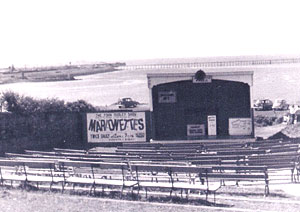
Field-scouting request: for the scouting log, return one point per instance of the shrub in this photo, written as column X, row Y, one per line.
column 267, row 120
column 80, row 106
column 18, row 104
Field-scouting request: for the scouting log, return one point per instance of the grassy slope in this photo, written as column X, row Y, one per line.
column 292, row 131
column 266, row 132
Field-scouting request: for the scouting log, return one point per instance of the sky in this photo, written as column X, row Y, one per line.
column 50, row 32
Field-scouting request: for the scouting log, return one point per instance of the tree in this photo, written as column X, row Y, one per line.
column 11, row 101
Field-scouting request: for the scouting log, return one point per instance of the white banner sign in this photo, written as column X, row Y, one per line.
column 240, row 126
column 116, row 127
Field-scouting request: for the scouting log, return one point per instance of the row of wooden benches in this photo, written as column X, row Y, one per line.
column 129, row 175
column 273, row 160
column 178, row 154
column 220, row 150
column 208, row 145
column 271, row 156
column 268, row 145
column 275, row 154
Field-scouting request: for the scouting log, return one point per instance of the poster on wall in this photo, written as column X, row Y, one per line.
column 240, row 126
column 166, row 97
column 116, row 127
column 212, row 125
column 195, row 129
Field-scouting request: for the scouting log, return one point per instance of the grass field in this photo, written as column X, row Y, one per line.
column 230, row 198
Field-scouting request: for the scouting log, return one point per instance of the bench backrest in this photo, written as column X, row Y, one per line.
column 70, row 150
column 169, row 168
column 101, row 165
column 28, row 163
column 240, row 168
column 39, row 152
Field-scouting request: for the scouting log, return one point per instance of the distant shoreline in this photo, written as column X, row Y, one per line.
column 50, row 75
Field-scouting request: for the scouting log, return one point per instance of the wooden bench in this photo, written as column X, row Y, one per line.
column 70, row 150
column 168, row 177
column 29, row 171
column 103, row 156
column 241, row 152
column 277, row 162
column 241, row 173
column 140, row 175
column 19, row 156
column 223, row 159
column 96, row 176
column 267, row 143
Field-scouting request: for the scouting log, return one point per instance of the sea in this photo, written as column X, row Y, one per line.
column 270, row 81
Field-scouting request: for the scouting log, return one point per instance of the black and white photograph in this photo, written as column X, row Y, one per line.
column 136, row 105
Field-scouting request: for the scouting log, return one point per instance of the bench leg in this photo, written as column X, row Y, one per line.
column 171, row 192
column 187, row 193
column 93, row 189
column 267, row 191
column 131, row 191
column 122, row 189
column 62, row 187
column 214, row 197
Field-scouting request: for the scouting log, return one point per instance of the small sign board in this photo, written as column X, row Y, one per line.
column 240, row 126
column 206, row 79
column 166, row 97
column 212, row 125
column 195, row 129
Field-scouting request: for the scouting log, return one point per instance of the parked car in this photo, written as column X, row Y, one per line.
column 280, row 104
column 263, row 104
column 127, row 103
